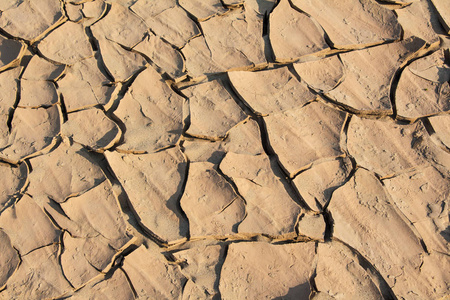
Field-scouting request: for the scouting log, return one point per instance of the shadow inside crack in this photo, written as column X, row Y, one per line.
column 296, row 292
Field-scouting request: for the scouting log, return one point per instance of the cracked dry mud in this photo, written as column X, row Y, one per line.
column 224, row 149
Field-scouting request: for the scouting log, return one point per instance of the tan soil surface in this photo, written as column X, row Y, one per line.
column 224, row 149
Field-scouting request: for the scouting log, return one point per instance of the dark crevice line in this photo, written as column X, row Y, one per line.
column 294, row 73
column 16, row 103
column 24, row 63
column 207, row 77
column 218, row 170
column 383, row 286
column 182, row 189
column 167, row 42
column 389, row 3
column 98, row 55
column 404, row 217
column 236, row 190
column 294, row 7
column 171, row 258
column 115, row 265
column 327, row 39
column 126, row 84
column 329, row 225
column 186, row 106
column 158, row 69
column 122, row 128
column 189, row 81
column 288, row 238
column 433, row 135
column 63, row 108
column 428, row 127
column 60, row 253
column 327, row 214
column 218, row 269
column 192, row 17
column 158, row 150
column 104, row 13
column 183, row 287
column 10, row 36
column 393, row 89
column 344, row 137
column 64, row 9
column 297, row 222
column 125, row 204
column 277, row 168
column 312, row 281
column 226, row 83
column 447, row 57
column 10, row 202
column 40, row 247
column 92, row 40
column 118, row 260
column 5, row 286
column 233, row 6
column 57, row 207
column 293, row 240
column 63, row 20
column 100, row 62
column 442, row 253
column 350, row 110
column 133, row 289
column 36, row 51
column 268, row 49
column 422, row 243
column 94, row 267
column 397, row 75
column 150, row 30
column 124, row 87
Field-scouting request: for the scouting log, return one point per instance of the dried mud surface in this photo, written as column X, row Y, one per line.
column 224, row 149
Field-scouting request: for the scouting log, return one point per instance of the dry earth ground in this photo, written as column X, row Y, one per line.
column 224, row 149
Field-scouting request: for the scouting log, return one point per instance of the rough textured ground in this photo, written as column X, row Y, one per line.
column 224, row 149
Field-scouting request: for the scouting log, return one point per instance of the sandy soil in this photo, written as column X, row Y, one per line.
column 224, row 149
